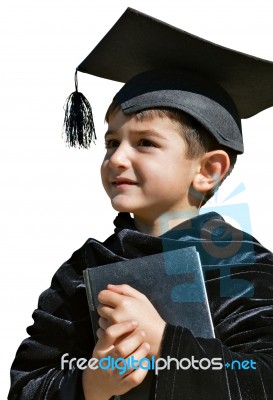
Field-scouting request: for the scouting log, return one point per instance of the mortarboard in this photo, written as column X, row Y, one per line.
column 166, row 67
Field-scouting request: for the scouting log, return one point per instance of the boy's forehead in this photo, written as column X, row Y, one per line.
column 154, row 124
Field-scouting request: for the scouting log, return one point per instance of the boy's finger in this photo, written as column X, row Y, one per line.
column 124, row 289
column 128, row 344
column 105, row 311
column 109, row 298
column 99, row 333
column 138, row 366
column 103, row 323
column 113, row 332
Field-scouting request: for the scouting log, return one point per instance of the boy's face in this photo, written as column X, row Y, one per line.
column 145, row 171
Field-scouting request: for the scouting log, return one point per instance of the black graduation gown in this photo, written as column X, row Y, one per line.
column 239, row 281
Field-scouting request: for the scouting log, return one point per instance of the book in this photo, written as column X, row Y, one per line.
column 174, row 283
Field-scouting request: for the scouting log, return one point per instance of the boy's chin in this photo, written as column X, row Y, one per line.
column 122, row 207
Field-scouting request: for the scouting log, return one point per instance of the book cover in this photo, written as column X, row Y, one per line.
column 173, row 281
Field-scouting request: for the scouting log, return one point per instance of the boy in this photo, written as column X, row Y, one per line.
column 172, row 137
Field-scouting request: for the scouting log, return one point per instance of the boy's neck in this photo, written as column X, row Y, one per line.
column 164, row 222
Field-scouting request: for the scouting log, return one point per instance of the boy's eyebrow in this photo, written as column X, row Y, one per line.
column 149, row 132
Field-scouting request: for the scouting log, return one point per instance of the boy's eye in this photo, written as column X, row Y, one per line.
column 111, row 143
column 146, row 143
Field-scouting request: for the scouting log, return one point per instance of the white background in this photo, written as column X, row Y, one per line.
column 51, row 196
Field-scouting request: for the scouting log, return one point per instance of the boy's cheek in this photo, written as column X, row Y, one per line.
column 104, row 172
column 105, row 183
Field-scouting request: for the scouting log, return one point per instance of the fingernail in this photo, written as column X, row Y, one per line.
column 99, row 332
column 147, row 346
column 134, row 322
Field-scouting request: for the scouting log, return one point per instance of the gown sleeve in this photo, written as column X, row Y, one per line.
column 61, row 325
column 243, row 345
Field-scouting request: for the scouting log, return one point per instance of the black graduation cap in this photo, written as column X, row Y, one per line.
column 164, row 66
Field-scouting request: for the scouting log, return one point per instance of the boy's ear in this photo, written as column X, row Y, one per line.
column 213, row 167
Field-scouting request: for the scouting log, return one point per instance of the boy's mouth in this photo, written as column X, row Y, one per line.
column 123, row 181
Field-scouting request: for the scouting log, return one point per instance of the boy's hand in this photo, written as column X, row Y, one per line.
column 119, row 303
column 118, row 340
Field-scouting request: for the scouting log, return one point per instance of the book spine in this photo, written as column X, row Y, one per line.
column 206, row 294
column 90, row 300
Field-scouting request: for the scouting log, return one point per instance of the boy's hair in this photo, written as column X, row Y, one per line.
column 198, row 139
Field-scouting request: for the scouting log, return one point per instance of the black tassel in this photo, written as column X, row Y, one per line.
column 78, row 125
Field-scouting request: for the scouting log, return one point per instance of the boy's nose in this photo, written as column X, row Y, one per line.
column 120, row 157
